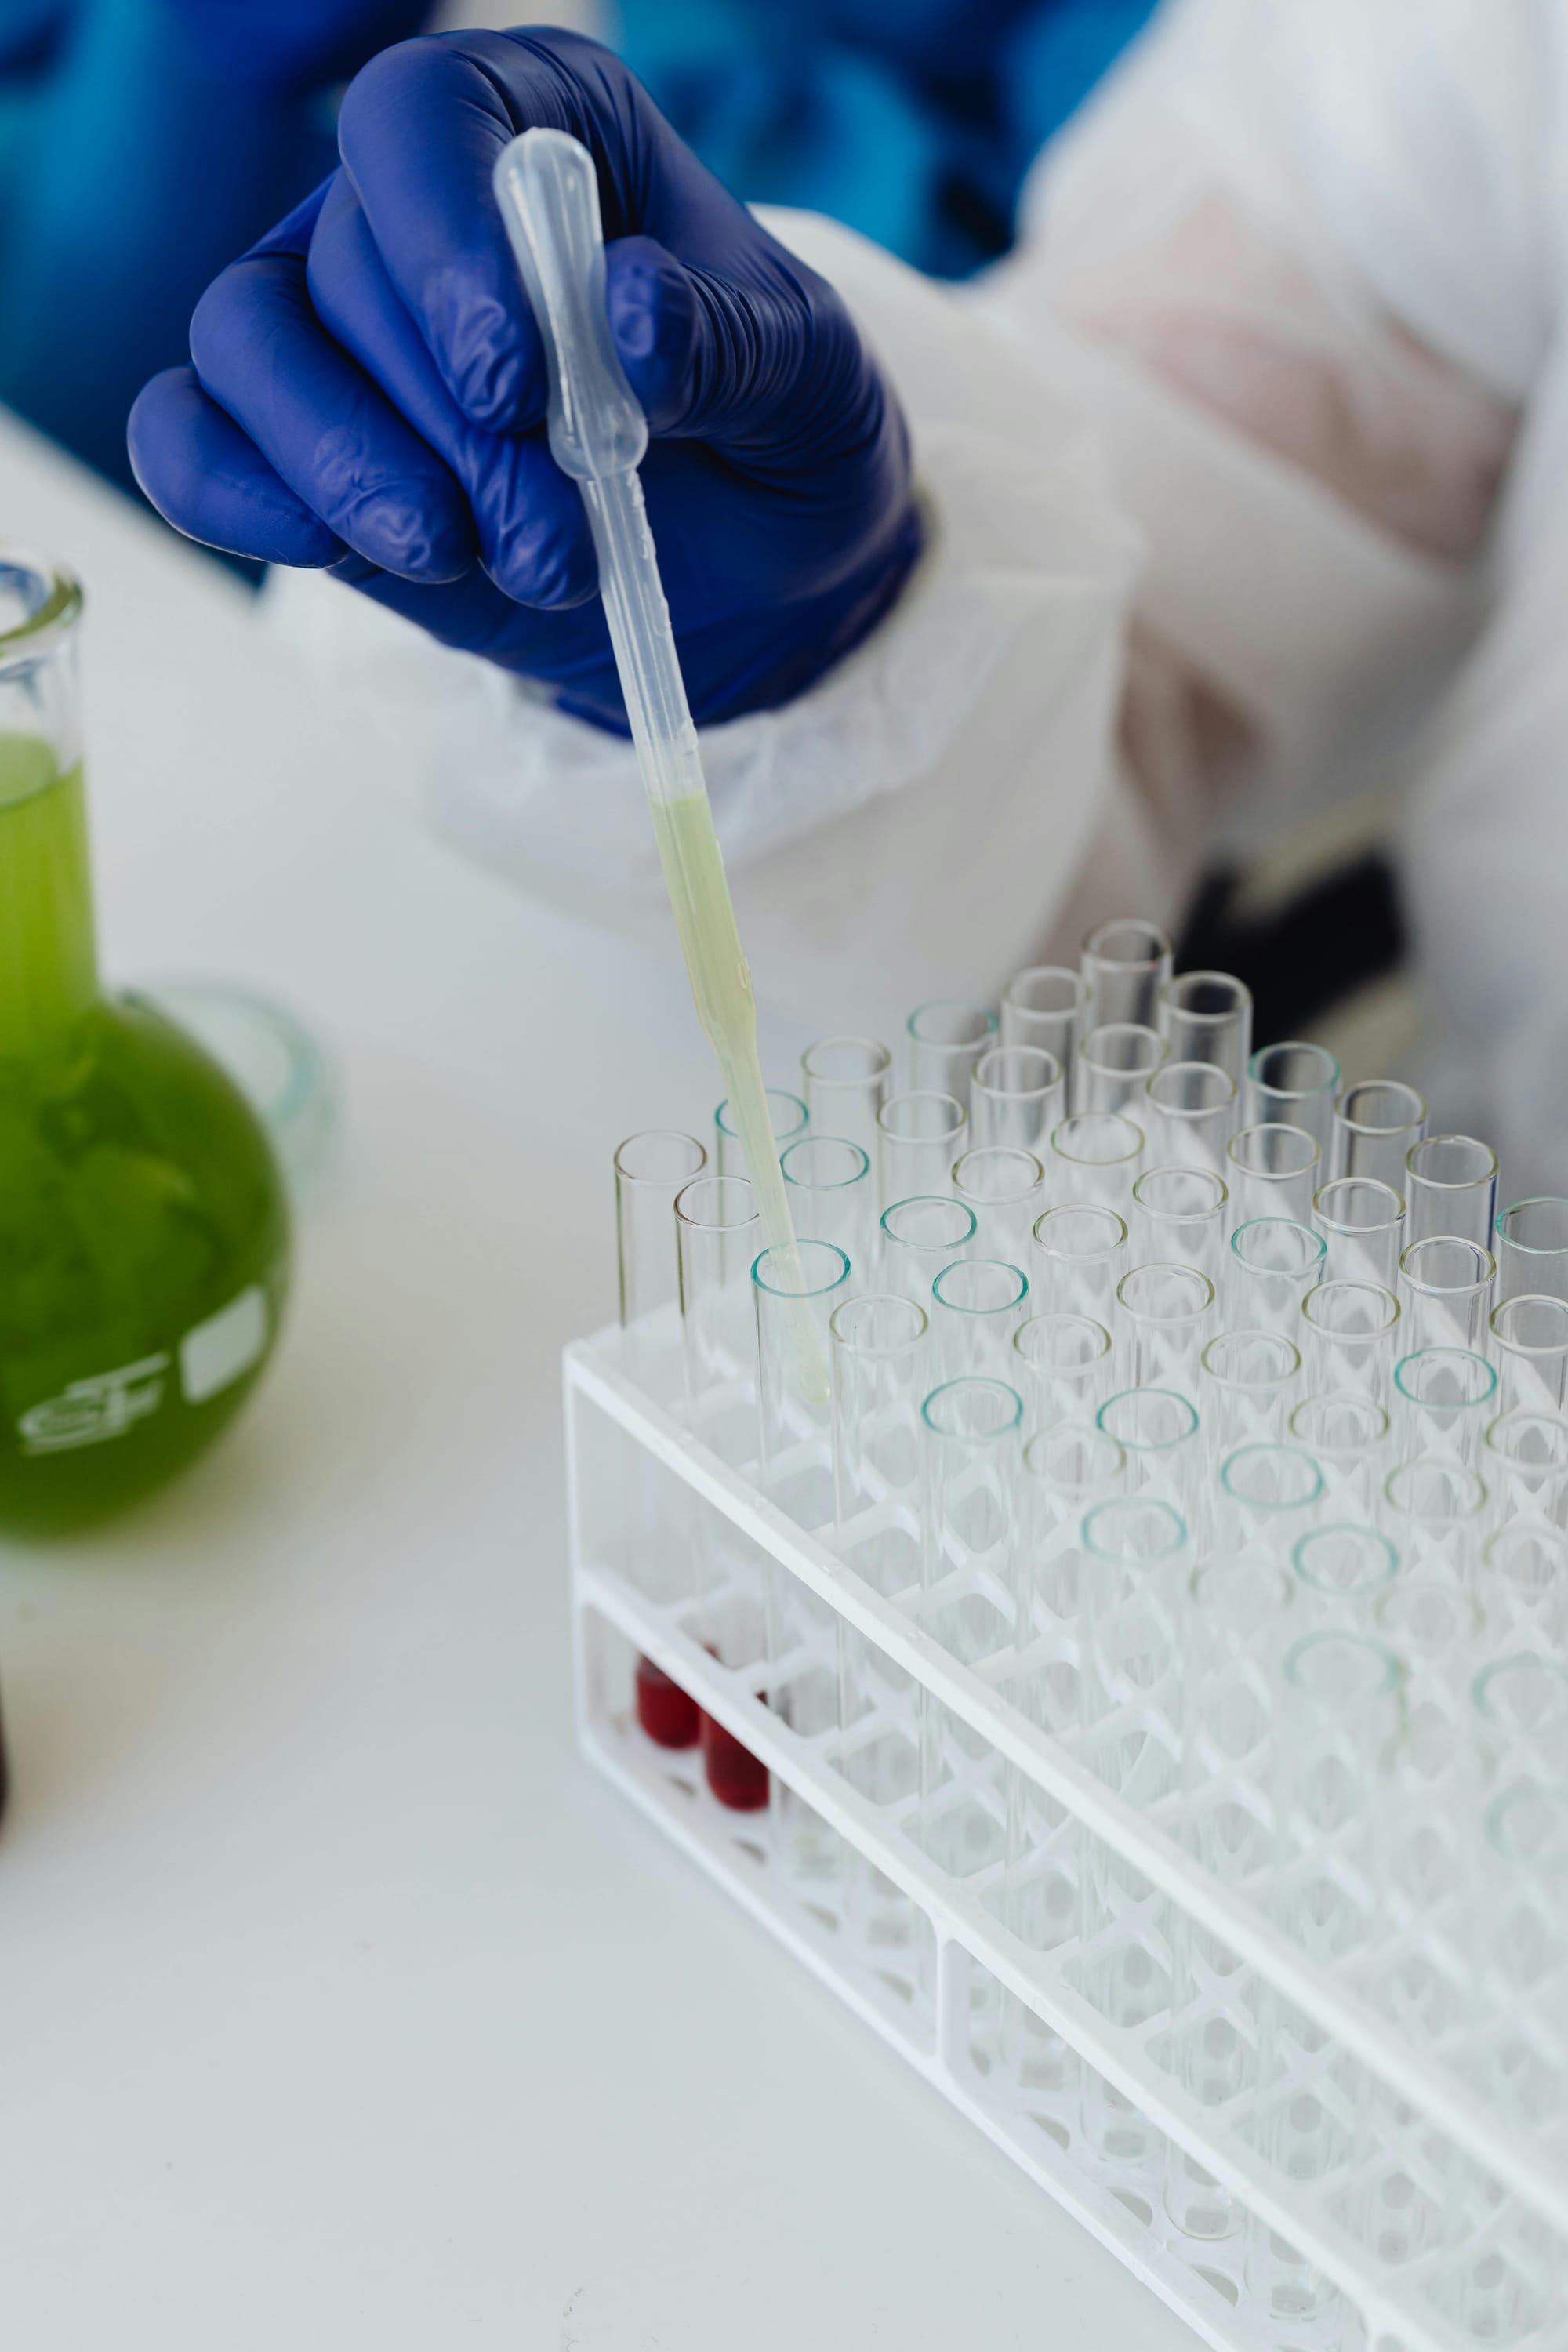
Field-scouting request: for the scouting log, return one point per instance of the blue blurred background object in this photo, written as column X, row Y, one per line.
column 144, row 144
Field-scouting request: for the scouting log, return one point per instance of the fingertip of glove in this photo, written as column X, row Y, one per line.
column 652, row 309
column 207, row 479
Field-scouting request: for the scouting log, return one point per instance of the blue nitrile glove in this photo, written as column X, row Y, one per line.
column 369, row 392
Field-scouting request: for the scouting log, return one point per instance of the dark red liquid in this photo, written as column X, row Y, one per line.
column 669, row 1715
column 734, row 1775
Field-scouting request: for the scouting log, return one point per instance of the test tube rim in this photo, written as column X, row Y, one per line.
column 770, row 1094
column 1434, row 1143
column 1433, row 1242
column 1391, row 1674
column 1428, row 1356
column 950, row 1004
column 1166, row 1266
column 1272, row 1126
column 1283, row 1274
column 799, row 1253
column 1482, row 1683
column 1250, row 1332
column 1211, row 1071
column 1341, row 1527
column 1079, row 1209
column 1527, row 1531
column 816, row 1143
column 707, row 1224
column 1063, row 1429
column 921, row 1094
column 849, row 1078
column 1001, row 1151
column 1077, row 1118
column 1122, row 1069
column 1371, row 1132
column 1073, row 981
column 1141, row 1445
column 1150, row 931
column 660, row 1135
column 1060, row 1316
column 1154, row 1503
column 980, row 1081
column 932, row 1201
column 1535, row 1298
column 1293, row 1094
column 1457, row 1471
column 1341, row 1397
column 889, row 1350
column 970, row 1381
column 1523, row 1414
column 1356, row 1183
column 1276, row 1446
column 1188, row 1175
column 1534, row 1249
column 969, row 1265
column 1208, row 979
column 1342, row 1283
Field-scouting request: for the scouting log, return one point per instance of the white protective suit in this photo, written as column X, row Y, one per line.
column 1246, row 476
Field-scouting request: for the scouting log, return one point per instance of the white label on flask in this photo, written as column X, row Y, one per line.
column 91, row 1412
column 218, row 1351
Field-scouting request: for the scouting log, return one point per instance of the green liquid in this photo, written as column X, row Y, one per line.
column 144, row 1229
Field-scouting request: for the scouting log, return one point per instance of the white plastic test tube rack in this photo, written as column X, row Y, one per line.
column 1223, row 1881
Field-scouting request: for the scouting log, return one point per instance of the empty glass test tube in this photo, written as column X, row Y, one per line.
column 1343, row 1569
column 1180, row 1216
column 830, row 1193
column 1451, row 1187
column 1446, row 1289
column 918, row 1137
column 1352, row 1335
column 845, row 1082
column 947, row 1038
column 1163, row 1315
column 794, row 1425
column 1066, row 1468
column 650, row 1170
column 1521, row 1714
column 1532, row 1249
column 1346, row 1433
column 1189, row 1113
column 1434, row 1508
column 1079, row 1256
column 1095, row 1156
column 1044, row 1007
column 881, row 1366
column 1272, row 1171
column 1294, row 1084
column 718, row 1233
column 1524, row 1463
column 1267, row 1494
column 1017, row 1094
column 1003, row 1186
column 1375, row 1124
column 1340, row 1726
column 977, row 1305
column 971, row 1469
column 1157, row 1430
column 1525, row 1580
column 1363, row 1223
column 1272, row 1264
column 921, row 1235
column 1115, row 1063
column 1135, row 1608
column 1247, row 1381
column 1062, row 1368
column 1206, row 1016
column 1530, row 1344
column 1444, row 1401
column 788, row 1114
column 1125, row 965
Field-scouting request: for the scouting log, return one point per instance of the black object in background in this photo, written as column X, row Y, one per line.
column 1304, row 956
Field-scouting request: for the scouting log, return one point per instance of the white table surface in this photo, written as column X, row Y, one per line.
column 341, row 2005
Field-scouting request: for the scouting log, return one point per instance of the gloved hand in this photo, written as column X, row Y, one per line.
column 369, row 392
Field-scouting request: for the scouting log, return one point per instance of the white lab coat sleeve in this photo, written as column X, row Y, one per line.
column 908, row 827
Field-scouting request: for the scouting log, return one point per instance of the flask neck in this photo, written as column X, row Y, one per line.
column 49, row 961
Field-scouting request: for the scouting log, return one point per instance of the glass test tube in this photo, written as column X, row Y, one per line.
column 921, row 1235
column 1003, row 1186
column 1272, row 1171
column 1066, row 1468
column 846, row 1081
column 1446, row 1289
column 1346, row 1433
column 793, row 1425
column 1530, row 1343
column 788, row 1114
column 1293, row 1085
column 1451, row 1187
column 1353, row 1334
column 1435, row 1509
column 1125, row 965
column 1266, row 1493
column 1189, row 1111
column 1181, row 1216
column 1524, row 1940
column 977, row 1304
column 1340, row 1726
column 1525, row 1580
column 830, row 1193
column 880, row 1379
column 1520, row 1715
column 1375, row 1124
column 1531, row 1245
column 1524, row 1463
column 918, row 1137
column 1157, row 1430
column 1062, row 1368
column 1444, row 1401
column 1245, row 1382
column 1078, row 1256
column 1343, row 1568
column 1044, row 1007
column 947, row 1038
column 1165, row 1314
column 1363, row 1223
column 1016, row 1095
column 1115, row 1063
column 1206, row 1016
column 718, row 1232
column 1096, row 1156
column 1272, row 1264
column 1133, row 1607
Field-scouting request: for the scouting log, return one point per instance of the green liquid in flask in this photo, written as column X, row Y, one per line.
column 144, row 1228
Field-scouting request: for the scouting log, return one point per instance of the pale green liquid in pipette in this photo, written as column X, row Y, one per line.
column 726, row 1006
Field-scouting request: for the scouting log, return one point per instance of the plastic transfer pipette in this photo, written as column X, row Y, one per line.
column 549, row 198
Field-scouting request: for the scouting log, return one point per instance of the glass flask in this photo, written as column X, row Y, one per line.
column 143, row 1226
